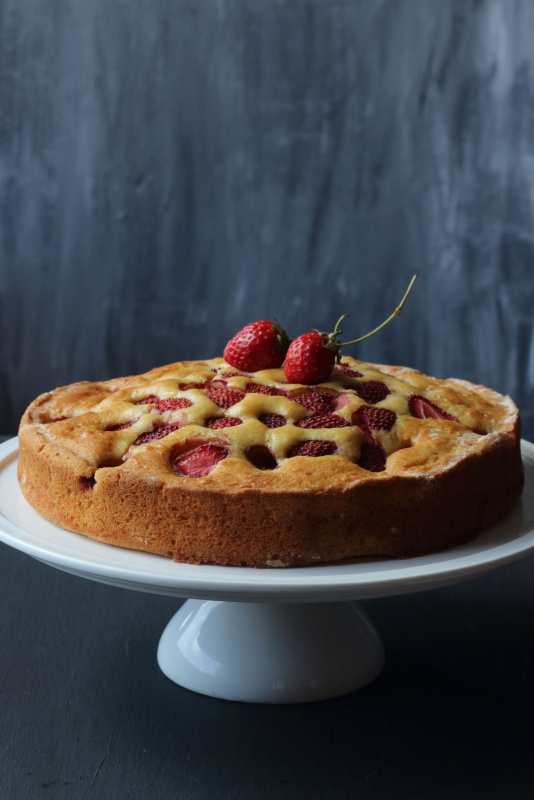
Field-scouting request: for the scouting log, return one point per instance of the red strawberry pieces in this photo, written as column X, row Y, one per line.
column 169, row 404
column 372, row 457
column 273, row 420
column 173, row 403
column 369, row 419
column 222, row 422
column 422, row 408
column 121, row 426
column 348, row 371
column 314, row 448
column 146, row 400
column 261, row 457
column 225, row 398
column 157, row 433
column 260, row 345
column 324, row 421
column 258, row 388
column 308, row 359
column 372, row 391
column 199, row 461
column 374, row 419
column 316, row 402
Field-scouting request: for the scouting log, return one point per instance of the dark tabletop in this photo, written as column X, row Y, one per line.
column 86, row 712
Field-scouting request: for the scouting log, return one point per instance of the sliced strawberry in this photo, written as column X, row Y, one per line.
column 374, row 419
column 372, row 391
column 157, row 433
column 193, row 385
column 146, row 400
column 120, row 426
column 258, row 388
column 261, row 457
column 350, row 373
column 372, row 457
column 173, row 403
column 200, row 461
column 223, row 422
column 422, row 408
column 315, row 447
column 324, row 421
column 316, row 402
column 341, row 401
column 231, row 374
column 225, row 398
column 273, row 420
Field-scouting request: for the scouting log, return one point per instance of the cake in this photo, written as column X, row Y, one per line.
column 204, row 463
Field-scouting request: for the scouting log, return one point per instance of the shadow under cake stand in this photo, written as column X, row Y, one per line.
column 268, row 636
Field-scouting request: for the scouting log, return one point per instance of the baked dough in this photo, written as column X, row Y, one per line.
column 414, row 465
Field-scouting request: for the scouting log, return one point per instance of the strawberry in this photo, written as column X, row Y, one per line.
column 374, row 419
column 372, row 457
column 157, row 433
column 223, row 422
column 317, row 402
column 261, row 457
column 273, row 420
column 324, row 421
column 193, row 385
column 225, row 398
column 350, row 373
column 422, row 408
column 260, row 345
column 311, row 357
column 170, row 404
column 257, row 388
column 173, row 403
column 372, row 391
column 146, row 400
column 314, row 447
column 121, row 426
column 200, row 461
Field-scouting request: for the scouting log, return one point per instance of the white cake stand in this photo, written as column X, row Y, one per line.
column 273, row 635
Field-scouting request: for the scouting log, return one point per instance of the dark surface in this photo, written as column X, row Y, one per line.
column 86, row 712
column 172, row 169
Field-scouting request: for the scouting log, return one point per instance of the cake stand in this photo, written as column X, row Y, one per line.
column 273, row 635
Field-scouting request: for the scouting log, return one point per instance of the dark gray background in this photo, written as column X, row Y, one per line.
column 172, row 169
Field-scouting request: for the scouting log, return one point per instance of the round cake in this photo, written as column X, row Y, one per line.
column 207, row 464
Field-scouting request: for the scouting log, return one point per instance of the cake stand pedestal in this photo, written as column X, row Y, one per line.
column 273, row 635
column 270, row 652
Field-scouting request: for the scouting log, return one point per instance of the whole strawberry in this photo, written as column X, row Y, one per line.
column 311, row 357
column 260, row 345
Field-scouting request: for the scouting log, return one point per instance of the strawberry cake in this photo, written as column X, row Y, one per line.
column 204, row 463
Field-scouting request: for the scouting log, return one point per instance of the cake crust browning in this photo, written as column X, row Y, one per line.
column 99, row 459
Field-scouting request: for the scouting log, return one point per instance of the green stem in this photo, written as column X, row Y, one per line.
column 396, row 313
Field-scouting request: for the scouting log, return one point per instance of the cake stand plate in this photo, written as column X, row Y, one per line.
column 273, row 635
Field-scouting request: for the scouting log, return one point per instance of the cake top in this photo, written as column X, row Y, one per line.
column 201, row 419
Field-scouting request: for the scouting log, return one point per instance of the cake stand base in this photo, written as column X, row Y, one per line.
column 270, row 652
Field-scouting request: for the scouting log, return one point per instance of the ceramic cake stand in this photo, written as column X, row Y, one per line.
column 273, row 635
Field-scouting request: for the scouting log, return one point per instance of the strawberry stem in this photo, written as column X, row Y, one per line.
column 396, row 313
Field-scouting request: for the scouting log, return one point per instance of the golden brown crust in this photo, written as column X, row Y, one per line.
column 444, row 480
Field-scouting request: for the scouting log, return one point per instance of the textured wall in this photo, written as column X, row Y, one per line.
column 172, row 169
